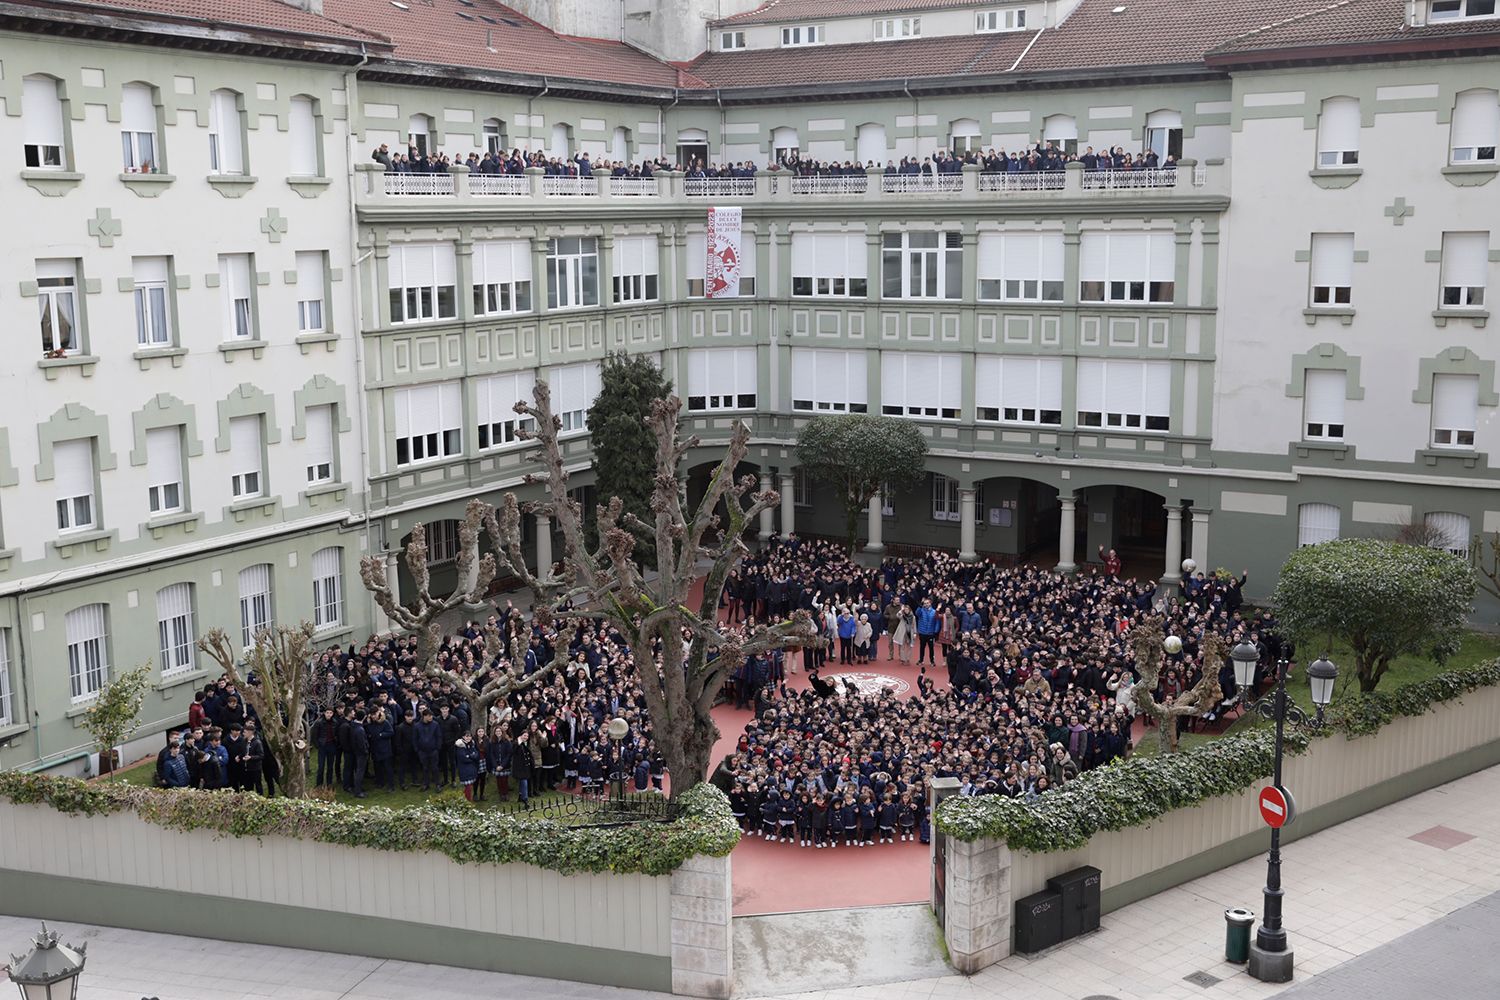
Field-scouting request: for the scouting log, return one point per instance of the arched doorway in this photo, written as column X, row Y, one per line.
column 1018, row 520
column 1130, row 520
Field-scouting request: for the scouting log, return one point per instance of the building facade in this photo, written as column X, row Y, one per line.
column 259, row 356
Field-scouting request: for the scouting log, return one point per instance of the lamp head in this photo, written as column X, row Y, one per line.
column 1321, row 674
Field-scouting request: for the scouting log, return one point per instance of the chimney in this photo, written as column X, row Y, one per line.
column 311, row 6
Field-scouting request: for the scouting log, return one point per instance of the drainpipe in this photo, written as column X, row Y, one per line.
column 719, row 100
column 546, row 87
column 916, row 116
column 661, row 139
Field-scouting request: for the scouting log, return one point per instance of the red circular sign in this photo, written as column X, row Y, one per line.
column 1276, row 806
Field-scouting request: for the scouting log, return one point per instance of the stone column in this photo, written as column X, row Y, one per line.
column 1172, row 567
column 393, row 581
column 767, row 516
column 977, row 903
column 966, row 525
column 543, row 545
column 1200, row 537
column 876, row 544
column 702, row 932
column 788, row 506
column 1065, row 532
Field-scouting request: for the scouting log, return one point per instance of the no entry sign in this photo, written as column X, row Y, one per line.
column 1277, row 807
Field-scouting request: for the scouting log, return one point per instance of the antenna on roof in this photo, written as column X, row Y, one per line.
column 489, row 39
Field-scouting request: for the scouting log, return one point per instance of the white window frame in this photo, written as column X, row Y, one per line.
column 1119, row 267
column 495, row 397
column 503, row 280
column 920, row 385
column 175, row 637
column 1323, row 396
column 321, row 424
column 1011, row 19
column 226, row 134
column 919, row 271
column 1457, row 531
column 830, row 380
column 247, row 478
column 1061, row 131
column 7, row 706
column 889, row 29
column 140, row 145
column 731, row 41
column 947, row 504
column 153, row 301
column 1449, row 10
column 1465, row 270
column 572, row 272
column 429, row 423
column 802, row 35
column 306, row 135
column 802, row 487
column 166, row 492
column 1318, row 523
column 75, row 485
column 1018, row 390
column 722, row 379
column 1338, row 133
column 237, row 296
column 328, row 588
column 1475, row 129
column 312, row 291
column 423, row 283
column 574, row 389
column 1331, row 271
column 494, row 136
column 257, row 608
column 1455, row 411
column 442, row 541
column 87, row 632
column 830, row 265
column 57, row 283
column 636, row 270
column 696, row 267
column 1133, row 414
column 44, row 139
column 1036, row 260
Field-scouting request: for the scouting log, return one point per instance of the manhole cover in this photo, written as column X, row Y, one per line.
column 1202, row 979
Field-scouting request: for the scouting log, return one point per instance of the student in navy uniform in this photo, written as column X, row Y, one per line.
column 498, row 755
column 866, row 818
column 466, row 762
column 658, row 770
column 848, row 820
column 737, row 805
column 804, row 820
column 886, row 818
column 820, row 821
column 786, row 817
column 768, row 809
column 906, row 817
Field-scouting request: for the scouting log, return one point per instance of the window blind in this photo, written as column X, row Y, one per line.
column 1059, row 127
column 422, row 265
column 636, row 255
column 73, row 468
column 149, row 270
column 85, row 623
column 501, row 262
column 174, row 601
column 164, row 456
column 137, row 110
column 574, row 387
column 1455, row 401
column 722, row 371
column 224, row 123
column 1018, row 383
column 255, row 580
column 833, row 378
column 325, row 562
column 303, row 126
column 1317, row 522
column 244, row 445
column 829, row 255
column 428, row 409
column 1126, row 257
column 1333, row 260
column 1476, row 119
column 920, row 380
column 1338, row 125
column 1164, row 119
column 310, row 275
column 318, row 422
column 1324, row 397
column 41, row 112
column 1466, row 259
column 495, row 397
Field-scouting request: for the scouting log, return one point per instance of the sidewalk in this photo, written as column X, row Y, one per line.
column 1349, row 891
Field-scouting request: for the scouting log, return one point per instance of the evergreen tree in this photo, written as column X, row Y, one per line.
column 624, row 444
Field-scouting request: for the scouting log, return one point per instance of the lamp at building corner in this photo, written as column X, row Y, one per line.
column 49, row 971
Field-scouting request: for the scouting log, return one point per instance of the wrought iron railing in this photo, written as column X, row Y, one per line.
column 719, row 187
column 831, row 184
column 1045, row 180
column 426, row 184
column 600, row 810
column 921, row 183
column 562, row 186
column 1128, row 180
column 634, row 187
column 514, row 185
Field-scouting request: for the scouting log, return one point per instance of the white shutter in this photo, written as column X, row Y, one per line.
column 1332, row 259
column 856, row 378
column 1455, row 402
column 1156, row 388
column 1093, row 257
column 325, row 563
column 1049, row 383
column 224, row 121
column 310, row 275
column 137, row 110
column 870, row 144
column 417, row 267
column 444, row 264
column 1317, row 522
column 1451, row 531
column 1018, row 384
column 856, row 259
column 1059, row 127
column 1164, row 119
column 234, row 275
column 163, row 456
column 501, row 262
column 965, row 127
column 636, row 255
column 85, row 624
column 255, row 580
column 404, row 401
column 1163, row 250
column 318, row 422
column 1338, row 126
column 1324, row 397
column 175, row 601
column 1052, row 256
column 58, row 267
column 784, row 138
column 303, row 126
column 1129, row 256
column 698, row 380
column 697, row 256
column 1091, row 385
column 496, row 396
column 73, row 468
column 893, row 379
column 804, row 255
column 1023, row 257
column 950, row 380
column 923, row 379
column 991, row 263
column 746, row 380
column 574, row 387
column 450, row 406
column 244, row 445
column 148, row 270
column 811, row 369
column 1466, row 259
column 989, row 374
column 41, row 112
column 1124, row 386
column 1476, row 119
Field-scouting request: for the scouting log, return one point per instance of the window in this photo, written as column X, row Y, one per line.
column 174, row 627
column 1018, row 390
column 1332, row 269
column 153, row 324
column 1317, row 522
column 1455, row 410
column 429, row 423
column 226, row 146
column 1476, row 126
column 236, row 282
column 419, row 133
column 964, row 136
column 88, row 654
column 73, row 482
column 802, row 488
column 138, row 129
column 830, row 264
column 574, row 389
column 442, row 542
column 256, row 612
column 1127, row 267
column 562, row 141
column 306, row 136
column 1021, row 267
column 922, row 265
column 572, row 272
column 636, row 269
column 730, row 40
column 1000, row 20
column 246, row 480
column 502, row 277
column 495, row 401
column 830, row 381
column 887, row 28
column 494, row 136
column 7, row 710
column 722, row 379
column 423, row 279
column 1338, row 132
column 310, row 291
column 697, row 267
column 42, row 124
column 920, row 385
column 1164, row 134
column 1323, row 405
column 946, row 502
column 802, row 34
column 328, row 587
column 1448, row 531
column 1447, row 10
column 164, row 492
column 1131, row 395
column 1466, row 264
column 1061, row 131
column 785, row 143
column 322, row 444
column 57, row 303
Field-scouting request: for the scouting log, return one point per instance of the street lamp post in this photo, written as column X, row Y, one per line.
column 617, row 729
column 49, row 971
column 1270, row 960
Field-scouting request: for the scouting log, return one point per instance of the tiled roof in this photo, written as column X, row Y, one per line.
column 266, row 15
column 911, row 59
column 803, row 10
column 1345, row 22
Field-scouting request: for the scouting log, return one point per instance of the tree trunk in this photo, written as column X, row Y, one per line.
column 695, row 755
column 851, row 526
column 293, row 771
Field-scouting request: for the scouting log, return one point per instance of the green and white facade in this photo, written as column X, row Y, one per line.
column 1264, row 351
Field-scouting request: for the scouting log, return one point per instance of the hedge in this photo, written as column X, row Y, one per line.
column 1140, row 789
column 706, row 825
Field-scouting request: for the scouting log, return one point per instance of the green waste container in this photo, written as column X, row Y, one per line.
column 1237, row 935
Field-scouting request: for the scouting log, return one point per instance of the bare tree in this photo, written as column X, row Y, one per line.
column 503, row 670
column 280, row 660
column 1487, row 563
column 1199, row 700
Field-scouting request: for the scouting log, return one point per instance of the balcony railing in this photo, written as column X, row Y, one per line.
column 921, row 183
column 719, row 187
column 634, row 187
column 512, row 185
column 840, row 184
column 404, row 184
column 557, row 186
column 1128, row 180
column 1049, row 180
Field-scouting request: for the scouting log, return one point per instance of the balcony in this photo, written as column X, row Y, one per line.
column 1201, row 182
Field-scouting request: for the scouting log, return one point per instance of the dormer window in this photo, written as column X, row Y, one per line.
column 801, row 34
column 1000, row 20
column 731, row 40
column 1449, row 10
column 889, row 28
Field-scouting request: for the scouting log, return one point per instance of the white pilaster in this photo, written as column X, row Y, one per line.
column 1172, row 569
column 876, row 543
column 788, row 506
column 966, row 525
column 767, row 516
column 543, row 545
column 1200, row 538
column 1065, row 530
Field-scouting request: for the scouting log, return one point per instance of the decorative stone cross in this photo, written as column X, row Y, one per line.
column 273, row 225
column 1400, row 211
column 105, row 228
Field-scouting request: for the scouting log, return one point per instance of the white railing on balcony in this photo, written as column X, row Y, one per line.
column 585, row 187
column 1200, row 175
column 499, row 184
column 719, row 187
column 1049, row 180
column 832, row 184
column 1128, row 180
column 418, row 183
column 921, row 183
column 634, row 187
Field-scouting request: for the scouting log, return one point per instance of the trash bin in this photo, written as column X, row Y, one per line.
column 1237, row 935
